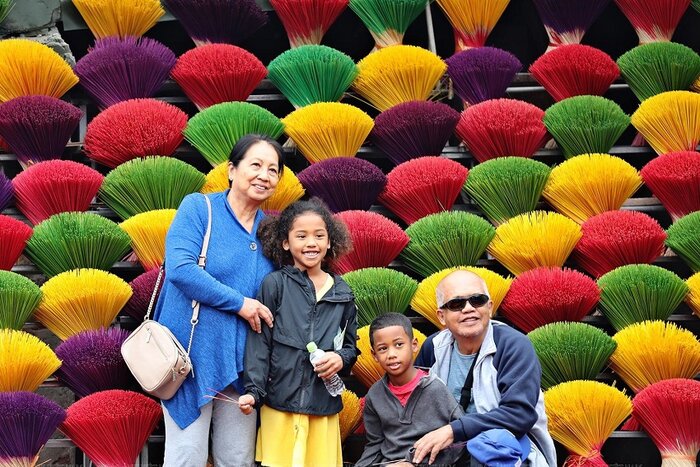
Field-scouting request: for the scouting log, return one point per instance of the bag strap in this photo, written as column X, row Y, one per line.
column 466, row 392
column 201, row 262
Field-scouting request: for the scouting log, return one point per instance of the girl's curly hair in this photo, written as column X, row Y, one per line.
column 273, row 230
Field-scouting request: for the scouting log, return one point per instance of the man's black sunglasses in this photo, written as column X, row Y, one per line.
column 458, row 304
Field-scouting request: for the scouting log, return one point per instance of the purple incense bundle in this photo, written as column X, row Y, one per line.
column 37, row 128
column 92, row 361
column 482, row 73
column 567, row 21
column 414, row 129
column 344, row 183
column 6, row 191
column 27, row 421
column 117, row 69
column 142, row 287
column 218, row 21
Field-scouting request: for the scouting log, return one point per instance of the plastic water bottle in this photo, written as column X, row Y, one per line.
column 334, row 384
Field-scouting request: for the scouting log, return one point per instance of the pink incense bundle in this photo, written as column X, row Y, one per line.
column 502, row 127
column 562, row 295
column 575, row 70
column 423, row 186
column 142, row 288
column 50, row 187
column 669, row 412
column 112, row 426
column 674, row 178
column 215, row 73
column 306, row 21
column 376, row 241
column 13, row 238
column 134, row 128
column 37, row 128
column 618, row 238
column 653, row 20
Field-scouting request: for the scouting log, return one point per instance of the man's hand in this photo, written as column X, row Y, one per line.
column 432, row 444
column 328, row 365
column 246, row 403
column 254, row 312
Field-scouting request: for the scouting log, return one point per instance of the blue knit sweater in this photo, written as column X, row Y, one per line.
column 234, row 270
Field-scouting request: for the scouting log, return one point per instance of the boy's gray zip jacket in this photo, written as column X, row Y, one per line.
column 278, row 372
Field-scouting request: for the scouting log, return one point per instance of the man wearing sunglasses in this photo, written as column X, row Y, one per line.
column 490, row 368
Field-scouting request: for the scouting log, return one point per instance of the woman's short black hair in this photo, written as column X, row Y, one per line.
column 275, row 229
column 243, row 144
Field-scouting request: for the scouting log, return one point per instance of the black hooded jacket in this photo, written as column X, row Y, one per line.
column 278, row 372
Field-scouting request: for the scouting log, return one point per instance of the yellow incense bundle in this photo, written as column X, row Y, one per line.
column 81, row 299
column 534, row 239
column 652, row 351
column 119, row 17
column 590, row 184
column 397, row 74
column 30, row 68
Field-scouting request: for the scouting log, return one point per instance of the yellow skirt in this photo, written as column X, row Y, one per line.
column 297, row 440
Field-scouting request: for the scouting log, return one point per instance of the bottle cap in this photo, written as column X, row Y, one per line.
column 311, row 347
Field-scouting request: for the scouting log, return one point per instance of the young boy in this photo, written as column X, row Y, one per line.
column 406, row 403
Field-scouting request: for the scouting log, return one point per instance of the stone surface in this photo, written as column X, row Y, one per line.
column 31, row 15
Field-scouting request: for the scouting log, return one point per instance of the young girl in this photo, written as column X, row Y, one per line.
column 299, row 418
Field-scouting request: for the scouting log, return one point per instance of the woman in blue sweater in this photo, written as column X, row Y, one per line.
column 234, row 269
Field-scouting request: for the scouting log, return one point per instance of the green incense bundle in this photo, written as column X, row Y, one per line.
column 387, row 20
column 73, row 240
column 585, row 124
column 657, row 67
column 507, row 186
column 683, row 237
column 378, row 291
column 570, row 351
column 18, row 298
column 446, row 239
column 312, row 73
column 215, row 130
column 147, row 184
column 5, row 7
column 639, row 292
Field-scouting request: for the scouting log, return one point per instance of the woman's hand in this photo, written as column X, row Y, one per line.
column 246, row 403
column 253, row 311
column 328, row 365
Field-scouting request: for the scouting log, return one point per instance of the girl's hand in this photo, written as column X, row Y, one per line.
column 246, row 403
column 328, row 365
column 254, row 312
